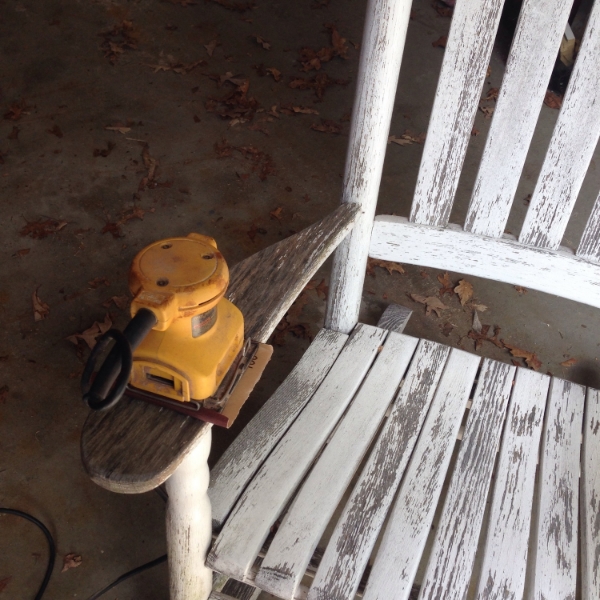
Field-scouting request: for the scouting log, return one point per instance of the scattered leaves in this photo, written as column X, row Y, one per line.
column 447, row 285
column 553, row 100
column 40, row 309
column 487, row 111
column 121, row 302
column 176, row 67
column 474, row 132
column 388, row 265
column 276, row 214
column 275, row 73
column 319, row 84
column 236, row 106
column 440, row 42
column 210, row 47
column 568, row 363
column 97, row 282
column 261, row 41
column 21, row 253
column 482, row 336
column 91, row 333
column 39, row 229
column 407, row 138
column 151, row 164
column 16, row 110
column 321, row 288
column 520, row 289
column 55, row 131
column 464, row 290
column 104, row 152
column 312, row 60
column 116, row 40
column 327, row 126
column 442, row 10
column 492, row 94
column 432, row 304
column 70, row 561
column 447, row 329
column 533, row 362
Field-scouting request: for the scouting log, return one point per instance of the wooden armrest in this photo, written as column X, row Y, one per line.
column 136, row 446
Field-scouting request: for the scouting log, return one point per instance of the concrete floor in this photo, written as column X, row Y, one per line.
column 64, row 90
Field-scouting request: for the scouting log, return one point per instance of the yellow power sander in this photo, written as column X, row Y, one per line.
column 184, row 347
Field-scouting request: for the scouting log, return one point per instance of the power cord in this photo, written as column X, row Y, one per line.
column 52, row 557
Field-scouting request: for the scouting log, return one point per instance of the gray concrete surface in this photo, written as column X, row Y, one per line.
column 55, row 65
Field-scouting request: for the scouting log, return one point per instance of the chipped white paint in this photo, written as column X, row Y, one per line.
column 571, row 147
column 189, row 530
column 381, row 53
column 589, row 246
column 451, row 560
column 590, row 499
column 557, row 272
column 466, row 60
column 247, row 528
column 251, row 447
column 363, row 516
column 297, row 537
column 554, row 552
column 533, row 53
column 506, row 545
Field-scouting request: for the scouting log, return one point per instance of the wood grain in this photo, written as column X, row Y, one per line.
column 590, row 499
column 289, row 554
column 265, row 497
column 466, row 59
column 381, row 53
column 571, row 147
column 255, row 442
column 394, row 318
column 528, row 68
column 557, row 272
column 505, row 550
column 589, row 246
column 136, row 446
column 554, row 549
column 358, row 527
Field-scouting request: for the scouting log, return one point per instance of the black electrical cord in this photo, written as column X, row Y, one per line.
column 129, row 574
column 51, row 546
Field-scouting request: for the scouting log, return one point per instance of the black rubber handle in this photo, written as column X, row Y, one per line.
column 111, row 381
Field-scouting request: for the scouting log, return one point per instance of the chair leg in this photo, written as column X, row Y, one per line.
column 189, row 525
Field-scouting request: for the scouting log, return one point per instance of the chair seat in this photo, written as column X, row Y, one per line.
column 412, row 463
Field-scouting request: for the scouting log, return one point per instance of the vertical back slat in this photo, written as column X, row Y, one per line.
column 571, row 147
column 466, row 59
column 589, row 247
column 532, row 56
column 590, row 499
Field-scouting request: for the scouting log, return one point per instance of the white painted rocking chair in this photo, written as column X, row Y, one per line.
column 366, row 425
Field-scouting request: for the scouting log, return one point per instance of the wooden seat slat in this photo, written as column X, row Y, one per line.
column 553, row 562
column 590, row 499
column 265, row 497
column 466, row 60
column 251, row 447
column 505, row 550
column 528, row 68
column 571, row 148
column 285, row 563
column 434, row 393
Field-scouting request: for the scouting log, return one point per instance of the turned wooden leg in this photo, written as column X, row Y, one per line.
column 189, row 526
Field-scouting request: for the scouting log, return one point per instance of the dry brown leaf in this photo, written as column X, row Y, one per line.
column 260, row 40
column 520, row 289
column 440, row 42
column 321, row 288
column 121, row 302
column 432, row 303
column 70, row 561
column 464, row 290
column 210, row 47
column 22, row 252
column 39, row 229
column 276, row 213
column 275, row 73
column 487, row 111
column 327, row 126
column 389, row 266
column 319, row 84
column 530, row 358
column 479, row 307
column 407, row 138
column 474, row 132
column 480, row 337
column 492, row 94
column 121, row 37
column 40, row 309
column 447, row 285
column 91, row 333
column 553, row 100
column 447, row 329
column 338, row 42
column 568, row 363
column 16, row 110
column 118, row 128
column 97, row 282
column 104, row 152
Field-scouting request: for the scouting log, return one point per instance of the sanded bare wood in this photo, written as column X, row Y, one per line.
column 251, row 447
column 363, row 516
column 136, row 446
column 590, row 499
column 554, row 550
column 557, row 272
column 394, row 318
column 505, row 552
column 266, row 284
column 449, row 568
column 571, row 147
column 466, row 60
column 532, row 56
column 381, row 52
column 265, row 497
column 284, row 565
column 589, row 246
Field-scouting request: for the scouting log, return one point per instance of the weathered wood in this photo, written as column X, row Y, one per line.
column 240, row 591
column 266, row 284
column 363, row 516
column 285, row 563
column 265, row 497
column 590, row 499
column 466, row 60
column 379, row 66
column 251, row 447
column 505, row 552
column 532, row 56
column 589, row 246
column 136, row 446
column 394, row 318
column 557, row 272
column 571, row 147
column 189, row 531
column 554, row 549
